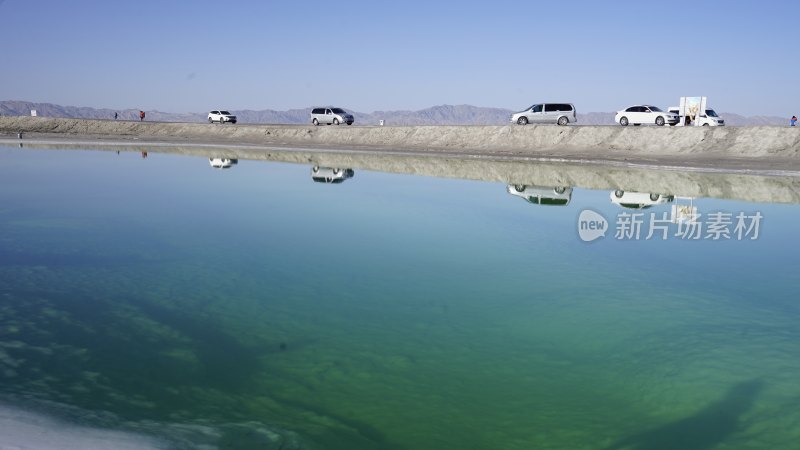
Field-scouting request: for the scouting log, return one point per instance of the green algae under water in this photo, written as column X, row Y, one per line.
column 252, row 307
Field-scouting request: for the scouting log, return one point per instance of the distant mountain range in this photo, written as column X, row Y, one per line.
column 435, row 115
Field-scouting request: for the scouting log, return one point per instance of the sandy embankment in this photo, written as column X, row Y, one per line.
column 735, row 148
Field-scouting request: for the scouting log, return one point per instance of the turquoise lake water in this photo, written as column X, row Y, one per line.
column 255, row 308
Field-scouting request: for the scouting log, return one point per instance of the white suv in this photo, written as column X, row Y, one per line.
column 221, row 117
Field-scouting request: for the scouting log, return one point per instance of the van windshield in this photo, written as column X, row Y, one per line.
column 711, row 113
column 338, row 111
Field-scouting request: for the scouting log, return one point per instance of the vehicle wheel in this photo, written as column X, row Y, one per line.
column 210, row 121
column 349, row 123
column 336, row 121
column 315, row 169
column 705, row 124
column 315, row 122
column 336, row 171
column 618, row 193
column 654, row 197
column 660, row 121
column 563, row 121
column 623, row 121
column 522, row 121
column 560, row 190
column 519, row 187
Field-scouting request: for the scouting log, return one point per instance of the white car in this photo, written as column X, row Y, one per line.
column 540, row 195
column 221, row 116
column 222, row 163
column 639, row 200
column 330, row 174
column 645, row 114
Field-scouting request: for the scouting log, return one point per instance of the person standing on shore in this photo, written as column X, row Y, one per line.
column 115, row 116
column 141, row 116
column 793, row 121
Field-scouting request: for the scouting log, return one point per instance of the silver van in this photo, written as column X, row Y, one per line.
column 541, row 195
column 331, row 115
column 560, row 113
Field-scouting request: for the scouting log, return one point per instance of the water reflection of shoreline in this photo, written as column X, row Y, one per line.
column 735, row 186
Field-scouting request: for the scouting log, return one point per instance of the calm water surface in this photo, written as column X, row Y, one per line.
column 172, row 305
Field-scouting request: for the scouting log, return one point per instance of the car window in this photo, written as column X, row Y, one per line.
column 339, row 111
column 631, row 109
column 536, row 108
column 711, row 113
column 655, row 109
column 224, row 112
column 327, row 111
column 214, row 112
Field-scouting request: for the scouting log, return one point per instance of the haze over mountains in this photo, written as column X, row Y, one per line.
column 435, row 115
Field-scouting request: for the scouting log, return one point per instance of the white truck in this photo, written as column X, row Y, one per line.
column 694, row 111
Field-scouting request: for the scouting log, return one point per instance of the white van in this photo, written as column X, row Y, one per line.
column 709, row 119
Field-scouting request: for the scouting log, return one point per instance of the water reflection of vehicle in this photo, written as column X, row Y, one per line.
column 540, row 195
column 222, row 163
column 639, row 200
column 330, row 174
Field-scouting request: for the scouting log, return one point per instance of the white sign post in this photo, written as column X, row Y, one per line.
column 691, row 107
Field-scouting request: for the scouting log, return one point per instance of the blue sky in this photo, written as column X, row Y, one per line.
column 192, row 56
